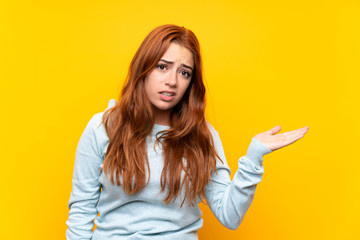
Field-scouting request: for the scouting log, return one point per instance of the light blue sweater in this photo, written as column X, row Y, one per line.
column 144, row 215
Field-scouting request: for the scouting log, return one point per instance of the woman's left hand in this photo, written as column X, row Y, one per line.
column 274, row 142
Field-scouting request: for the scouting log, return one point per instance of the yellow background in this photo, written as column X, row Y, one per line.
column 266, row 63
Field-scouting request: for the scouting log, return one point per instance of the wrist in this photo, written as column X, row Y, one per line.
column 257, row 150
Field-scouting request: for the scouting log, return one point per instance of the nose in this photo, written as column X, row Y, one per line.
column 171, row 80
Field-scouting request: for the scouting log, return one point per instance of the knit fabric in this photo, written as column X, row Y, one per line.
column 144, row 215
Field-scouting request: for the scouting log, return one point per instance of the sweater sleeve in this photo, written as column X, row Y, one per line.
column 85, row 184
column 229, row 200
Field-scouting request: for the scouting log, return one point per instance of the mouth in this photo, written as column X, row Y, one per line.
column 167, row 95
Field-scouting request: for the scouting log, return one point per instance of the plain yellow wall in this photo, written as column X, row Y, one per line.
column 266, row 63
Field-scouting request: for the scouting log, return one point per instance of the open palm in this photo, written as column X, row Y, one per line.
column 274, row 142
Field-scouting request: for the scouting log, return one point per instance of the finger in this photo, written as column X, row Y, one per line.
column 302, row 130
column 294, row 135
column 274, row 130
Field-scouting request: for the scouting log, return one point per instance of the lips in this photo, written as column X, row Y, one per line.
column 167, row 95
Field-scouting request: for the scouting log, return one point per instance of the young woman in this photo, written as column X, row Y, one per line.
column 146, row 162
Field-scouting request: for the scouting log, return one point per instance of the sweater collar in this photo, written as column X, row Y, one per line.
column 157, row 128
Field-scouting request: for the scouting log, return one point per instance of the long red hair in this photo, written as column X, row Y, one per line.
column 187, row 145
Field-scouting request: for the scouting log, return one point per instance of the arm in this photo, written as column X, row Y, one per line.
column 229, row 200
column 85, row 185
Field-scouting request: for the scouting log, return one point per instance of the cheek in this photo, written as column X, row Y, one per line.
column 149, row 84
column 153, row 80
column 148, row 89
column 184, row 87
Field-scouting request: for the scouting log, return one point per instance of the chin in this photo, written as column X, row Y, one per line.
column 163, row 108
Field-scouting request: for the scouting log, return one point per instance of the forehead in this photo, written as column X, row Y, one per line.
column 179, row 54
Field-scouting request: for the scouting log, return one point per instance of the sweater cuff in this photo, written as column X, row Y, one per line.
column 256, row 151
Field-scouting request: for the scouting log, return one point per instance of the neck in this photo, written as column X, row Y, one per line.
column 162, row 117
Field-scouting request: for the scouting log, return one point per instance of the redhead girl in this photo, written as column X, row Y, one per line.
column 144, row 164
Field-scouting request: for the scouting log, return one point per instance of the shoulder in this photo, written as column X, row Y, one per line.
column 215, row 136
column 95, row 129
column 212, row 130
column 95, row 123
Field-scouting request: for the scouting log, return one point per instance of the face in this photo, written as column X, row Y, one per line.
column 166, row 84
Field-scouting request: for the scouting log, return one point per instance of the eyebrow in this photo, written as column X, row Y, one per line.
column 169, row 62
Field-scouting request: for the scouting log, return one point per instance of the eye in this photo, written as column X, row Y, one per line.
column 186, row 74
column 161, row 66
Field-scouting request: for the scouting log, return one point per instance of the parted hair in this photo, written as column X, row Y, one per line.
column 188, row 148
